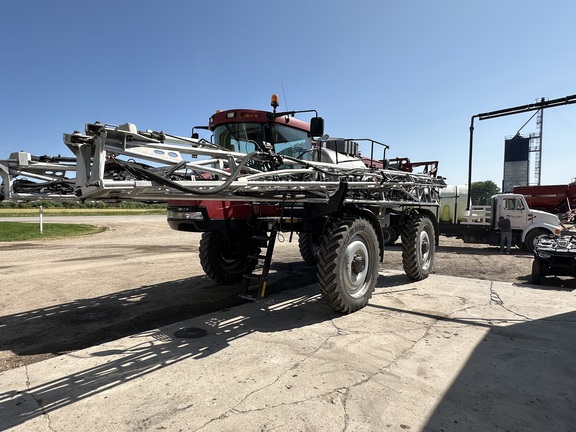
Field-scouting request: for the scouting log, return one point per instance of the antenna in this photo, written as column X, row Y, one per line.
column 284, row 95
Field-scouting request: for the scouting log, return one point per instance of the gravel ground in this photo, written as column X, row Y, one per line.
column 61, row 295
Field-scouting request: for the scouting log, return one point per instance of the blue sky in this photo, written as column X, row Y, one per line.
column 407, row 73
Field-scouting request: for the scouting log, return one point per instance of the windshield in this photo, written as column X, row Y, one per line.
column 248, row 137
column 238, row 137
column 291, row 142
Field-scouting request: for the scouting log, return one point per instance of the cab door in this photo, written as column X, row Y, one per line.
column 514, row 209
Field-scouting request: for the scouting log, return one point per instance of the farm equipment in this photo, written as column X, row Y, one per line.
column 554, row 255
column 556, row 199
column 261, row 173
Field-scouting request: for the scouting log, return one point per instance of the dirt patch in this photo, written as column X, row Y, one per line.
column 455, row 258
column 67, row 294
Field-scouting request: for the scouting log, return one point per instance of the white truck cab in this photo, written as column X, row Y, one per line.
column 515, row 208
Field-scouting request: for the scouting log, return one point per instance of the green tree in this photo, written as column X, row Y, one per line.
column 482, row 190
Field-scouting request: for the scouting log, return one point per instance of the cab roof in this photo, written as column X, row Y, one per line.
column 255, row 116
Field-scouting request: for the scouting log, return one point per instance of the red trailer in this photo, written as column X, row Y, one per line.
column 551, row 198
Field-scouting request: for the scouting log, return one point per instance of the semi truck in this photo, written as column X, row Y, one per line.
column 258, row 174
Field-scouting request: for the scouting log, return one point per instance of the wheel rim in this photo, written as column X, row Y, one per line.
column 425, row 254
column 387, row 235
column 536, row 239
column 357, row 267
column 229, row 260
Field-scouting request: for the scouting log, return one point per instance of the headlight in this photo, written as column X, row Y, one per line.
column 172, row 214
column 543, row 255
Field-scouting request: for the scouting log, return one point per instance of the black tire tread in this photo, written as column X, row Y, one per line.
column 307, row 248
column 537, row 272
column 327, row 266
column 390, row 236
column 410, row 246
column 210, row 244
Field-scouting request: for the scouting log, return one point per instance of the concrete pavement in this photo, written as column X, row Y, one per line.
column 444, row 354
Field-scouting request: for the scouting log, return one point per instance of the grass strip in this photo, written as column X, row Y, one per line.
column 19, row 231
column 18, row 212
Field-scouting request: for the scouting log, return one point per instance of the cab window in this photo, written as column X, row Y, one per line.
column 513, row 204
column 291, row 142
column 248, row 137
column 239, row 137
column 510, row 204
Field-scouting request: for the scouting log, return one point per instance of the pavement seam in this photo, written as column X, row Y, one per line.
column 235, row 410
column 38, row 401
column 342, row 392
column 495, row 299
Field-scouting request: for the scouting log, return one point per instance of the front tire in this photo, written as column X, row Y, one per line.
column 532, row 239
column 418, row 247
column 348, row 263
column 224, row 255
column 537, row 271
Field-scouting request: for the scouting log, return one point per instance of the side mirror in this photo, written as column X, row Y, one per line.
column 195, row 134
column 316, row 126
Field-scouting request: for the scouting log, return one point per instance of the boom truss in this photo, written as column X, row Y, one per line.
column 122, row 163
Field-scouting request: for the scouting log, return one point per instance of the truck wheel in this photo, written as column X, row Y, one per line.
column 224, row 255
column 390, row 236
column 309, row 245
column 537, row 271
column 532, row 239
column 348, row 263
column 418, row 247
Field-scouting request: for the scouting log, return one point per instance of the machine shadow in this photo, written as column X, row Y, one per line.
column 87, row 322
column 203, row 336
column 552, row 283
column 487, row 250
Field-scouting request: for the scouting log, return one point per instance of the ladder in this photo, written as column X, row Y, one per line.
column 258, row 264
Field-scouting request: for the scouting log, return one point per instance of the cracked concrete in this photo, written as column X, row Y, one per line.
column 38, row 402
column 431, row 355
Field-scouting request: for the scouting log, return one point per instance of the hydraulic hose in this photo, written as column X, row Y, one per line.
column 167, row 182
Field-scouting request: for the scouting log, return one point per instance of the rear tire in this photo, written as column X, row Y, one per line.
column 390, row 236
column 224, row 255
column 418, row 247
column 309, row 245
column 348, row 264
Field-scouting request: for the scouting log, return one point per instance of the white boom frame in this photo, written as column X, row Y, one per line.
column 236, row 176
